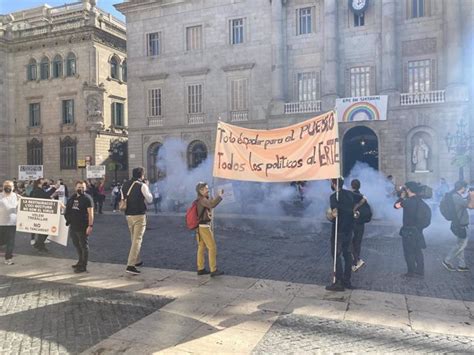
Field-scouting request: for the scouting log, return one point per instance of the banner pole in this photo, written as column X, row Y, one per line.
column 335, row 233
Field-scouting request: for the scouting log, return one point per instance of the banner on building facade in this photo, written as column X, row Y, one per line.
column 39, row 216
column 30, row 172
column 304, row 151
column 95, row 171
column 366, row 108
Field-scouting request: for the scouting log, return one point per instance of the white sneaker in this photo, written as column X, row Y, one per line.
column 32, row 242
column 9, row 262
column 359, row 264
column 47, row 241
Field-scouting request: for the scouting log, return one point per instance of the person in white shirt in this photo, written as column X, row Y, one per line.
column 8, row 209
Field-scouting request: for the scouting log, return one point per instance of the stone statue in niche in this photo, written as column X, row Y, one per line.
column 94, row 111
column 421, row 153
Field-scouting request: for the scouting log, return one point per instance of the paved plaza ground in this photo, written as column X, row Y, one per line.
column 271, row 300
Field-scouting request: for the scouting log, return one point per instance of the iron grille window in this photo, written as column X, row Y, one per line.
column 154, row 102
column 68, row 153
column 35, row 114
column 308, row 86
column 193, row 38
column 195, row 98
column 419, row 76
column 197, row 153
column 239, row 95
column 35, row 152
column 360, row 81
column 68, row 111
column 154, row 44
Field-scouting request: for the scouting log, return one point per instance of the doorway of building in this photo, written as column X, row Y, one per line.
column 359, row 144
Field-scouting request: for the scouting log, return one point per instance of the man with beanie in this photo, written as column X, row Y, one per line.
column 204, row 234
column 137, row 194
column 411, row 232
column 459, row 227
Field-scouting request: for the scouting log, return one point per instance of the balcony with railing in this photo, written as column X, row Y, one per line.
column 239, row 116
column 155, row 121
column 196, row 118
column 303, row 107
column 422, row 98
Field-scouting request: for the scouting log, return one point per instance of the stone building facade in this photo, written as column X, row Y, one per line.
column 63, row 95
column 270, row 63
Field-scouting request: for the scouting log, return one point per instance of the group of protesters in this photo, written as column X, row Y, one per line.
column 349, row 212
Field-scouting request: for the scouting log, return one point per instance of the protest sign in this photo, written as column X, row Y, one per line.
column 38, row 216
column 365, row 108
column 61, row 238
column 304, row 151
column 30, row 172
column 95, row 171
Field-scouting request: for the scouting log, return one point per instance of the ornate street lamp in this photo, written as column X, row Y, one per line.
column 460, row 145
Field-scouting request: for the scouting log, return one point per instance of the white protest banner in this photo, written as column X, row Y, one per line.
column 305, row 151
column 38, row 216
column 30, row 172
column 365, row 108
column 95, row 171
column 61, row 238
column 228, row 196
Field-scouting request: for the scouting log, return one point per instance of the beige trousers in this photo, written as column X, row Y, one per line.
column 205, row 240
column 137, row 227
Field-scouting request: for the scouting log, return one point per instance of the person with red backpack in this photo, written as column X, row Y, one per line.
column 198, row 217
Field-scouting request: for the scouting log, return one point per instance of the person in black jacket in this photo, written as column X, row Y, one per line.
column 359, row 225
column 136, row 192
column 411, row 232
column 80, row 219
column 343, row 202
column 39, row 192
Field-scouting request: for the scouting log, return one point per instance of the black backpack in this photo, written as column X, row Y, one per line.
column 446, row 207
column 423, row 214
column 365, row 213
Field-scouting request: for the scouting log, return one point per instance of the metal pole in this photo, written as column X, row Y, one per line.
column 335, row 233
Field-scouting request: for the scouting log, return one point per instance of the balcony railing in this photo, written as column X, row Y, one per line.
column 155, row 121
column 239, row 116
column 303, row 107
column 196, row 118
column 422, row 98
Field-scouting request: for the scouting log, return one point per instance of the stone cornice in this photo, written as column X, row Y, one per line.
column 132, row 5
column 237, row 67
column 159, row 76
column 194, row 72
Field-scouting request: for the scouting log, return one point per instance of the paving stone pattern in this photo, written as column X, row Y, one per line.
column 275, row 254
column 295, row 334
column 38, row 317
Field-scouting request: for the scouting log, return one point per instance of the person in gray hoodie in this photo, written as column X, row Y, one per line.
column 459, row 227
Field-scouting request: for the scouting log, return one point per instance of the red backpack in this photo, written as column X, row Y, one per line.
column 192, row 218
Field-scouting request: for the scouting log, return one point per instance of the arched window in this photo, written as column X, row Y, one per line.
column 197, row 153
column 153, row 171
column 57, row 66
column 124, row 71
column 114, row 68
column 34, row 152
column 44, row 69
column 32, row 71
column 71, row 64
column 68, row 153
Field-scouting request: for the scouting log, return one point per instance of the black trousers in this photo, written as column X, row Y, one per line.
column 40, row 238
column 81, row 242
column 412, row 250
column 357, row 241
column 7, row 237
column 343, row 256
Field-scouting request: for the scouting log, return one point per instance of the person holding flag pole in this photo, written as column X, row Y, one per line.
column 342, row 216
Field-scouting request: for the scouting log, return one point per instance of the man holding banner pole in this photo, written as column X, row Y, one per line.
column 342, row 202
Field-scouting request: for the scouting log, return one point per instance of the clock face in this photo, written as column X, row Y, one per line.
column 358, row 5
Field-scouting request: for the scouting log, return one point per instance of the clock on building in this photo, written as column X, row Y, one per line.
column 358, row 6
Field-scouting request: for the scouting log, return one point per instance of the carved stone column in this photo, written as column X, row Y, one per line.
column 330, row 73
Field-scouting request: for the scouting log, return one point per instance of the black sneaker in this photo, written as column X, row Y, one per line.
column 75, row 266
column 217, row 273
column 463, row 268
column 132, row 270
column 448, row 266
column 78, row 270
column 336, row 287
column 139, row 264
column 203, row 272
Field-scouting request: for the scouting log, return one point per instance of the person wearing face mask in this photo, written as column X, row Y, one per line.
column 79, row 216
column 8, row 208
column 459, row 226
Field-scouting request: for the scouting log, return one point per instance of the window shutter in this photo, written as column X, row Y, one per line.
column 313, row 20
column 405, row 77
column 372, row 87
column 297, row 22
column 434, row 75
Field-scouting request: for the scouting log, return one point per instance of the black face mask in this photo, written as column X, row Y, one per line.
column 80, row 191
column 7, row 189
